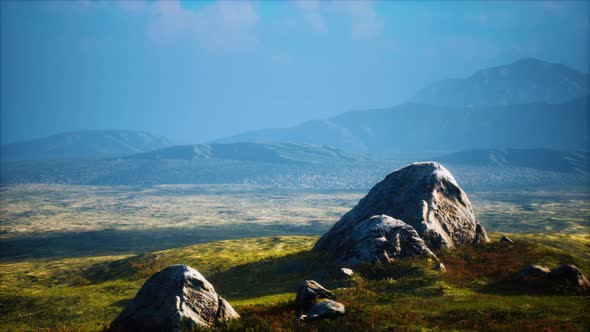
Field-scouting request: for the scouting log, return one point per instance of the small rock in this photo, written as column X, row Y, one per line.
column 440, row 267
column 174, row 299
column 308, row 294
column 533, row 272
column 506, row 239
column 324, row 309
column 346, row 272
column 571, row 274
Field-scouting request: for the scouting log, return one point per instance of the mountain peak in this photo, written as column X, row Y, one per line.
column 526, row 80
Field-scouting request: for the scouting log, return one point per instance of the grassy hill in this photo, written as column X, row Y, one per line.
column 258, row 277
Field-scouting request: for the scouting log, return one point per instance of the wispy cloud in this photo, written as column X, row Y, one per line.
column 312, row 14
column 218, row 25
column 364, row 21
column 213, row 26
column 360, row 16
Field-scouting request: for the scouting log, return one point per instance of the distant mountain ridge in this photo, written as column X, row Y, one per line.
column 526, row 104
column 521, row 82
column 89, row 144
column 252, row 152
column 540, row 159
column 429, row 128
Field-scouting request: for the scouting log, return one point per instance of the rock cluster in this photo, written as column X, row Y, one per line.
column 314, row 302
column 413, row 209
column 174, row 299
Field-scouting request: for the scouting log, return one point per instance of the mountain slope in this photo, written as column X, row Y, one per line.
column 420, row 128
column 541, row 159
column 91, row 144
column 524, row 81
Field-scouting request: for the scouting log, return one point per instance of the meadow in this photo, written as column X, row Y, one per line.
column 72, row 256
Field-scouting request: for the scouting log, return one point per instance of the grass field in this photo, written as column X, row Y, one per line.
column 258, row 276
column 72, row 256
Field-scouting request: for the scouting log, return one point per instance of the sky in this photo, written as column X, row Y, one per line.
column 195, row 71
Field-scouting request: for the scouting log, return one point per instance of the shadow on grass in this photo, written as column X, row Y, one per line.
column 117, row 242
column 274, row 275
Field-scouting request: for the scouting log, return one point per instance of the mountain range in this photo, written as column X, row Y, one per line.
column 537, row 138
column 428, row 128
column 89, row 144
column 526, row 104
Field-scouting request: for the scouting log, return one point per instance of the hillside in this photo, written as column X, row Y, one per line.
column 521, row 82
column 90, row 144
column 540, row 159
column 258, row 277
column 420, row 128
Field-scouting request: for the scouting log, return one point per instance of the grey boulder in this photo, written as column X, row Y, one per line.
column 423, row 195
column 314, row 302
column 563, row 275
column 308, row 294
column 532, row 272
column 379, row 238
column 571, row 274
column 324, row 309
column 174, row 299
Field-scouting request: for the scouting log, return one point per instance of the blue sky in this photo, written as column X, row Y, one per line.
column 195, row 71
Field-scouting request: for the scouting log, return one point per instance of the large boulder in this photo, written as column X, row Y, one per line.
column 379, row 238
column 174, row 299
column 423, row 195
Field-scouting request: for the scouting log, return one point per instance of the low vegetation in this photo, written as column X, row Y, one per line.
column 259, row 275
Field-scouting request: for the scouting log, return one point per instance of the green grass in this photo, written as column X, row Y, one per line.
column 259, row 275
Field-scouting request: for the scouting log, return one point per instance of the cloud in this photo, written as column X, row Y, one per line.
column 219, row 25
column 312, row 15
column 364, row 21
column 214, row 26
column 360, row 16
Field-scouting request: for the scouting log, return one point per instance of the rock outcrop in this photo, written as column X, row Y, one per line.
column 424, row 196
column 314, row 302
column 174, row 299
column 379, row 238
